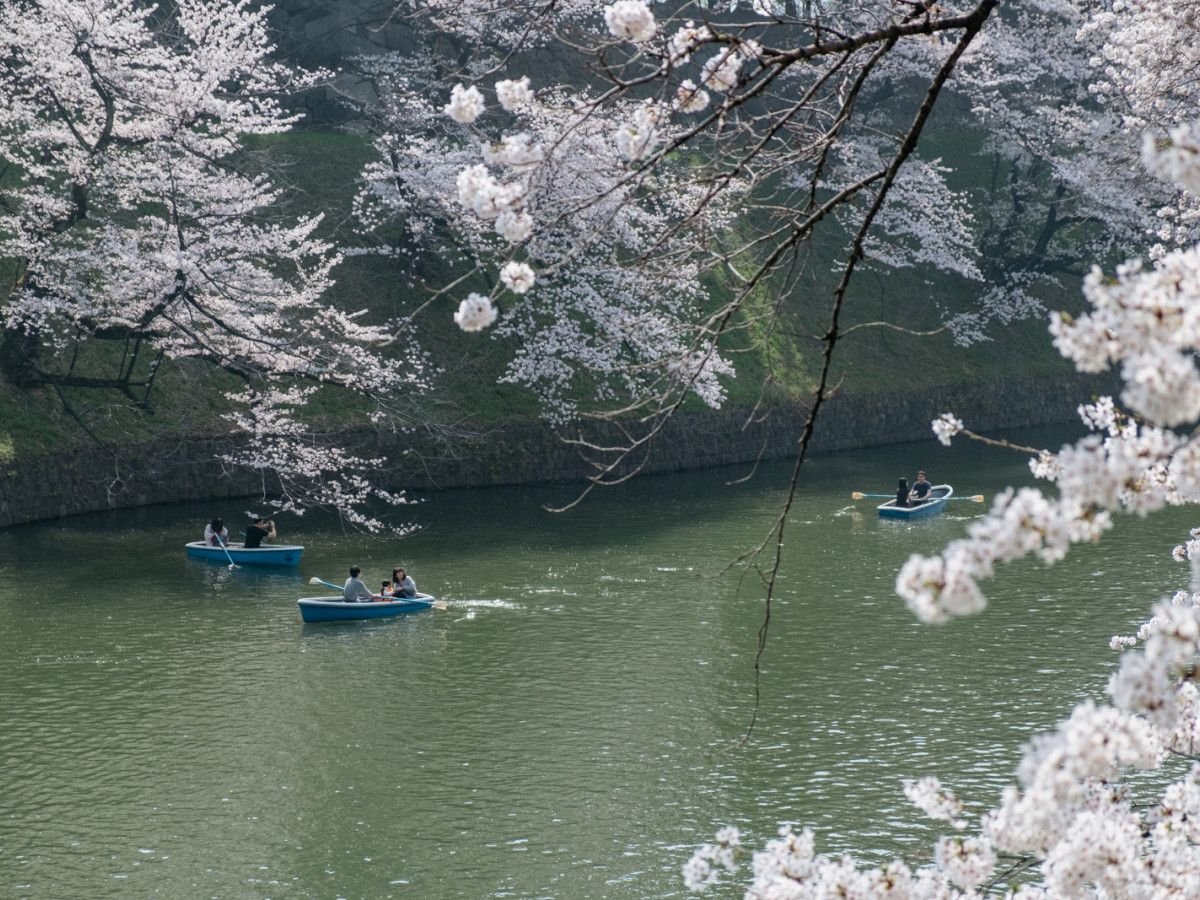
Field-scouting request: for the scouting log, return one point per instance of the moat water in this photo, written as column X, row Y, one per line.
column 571, row 727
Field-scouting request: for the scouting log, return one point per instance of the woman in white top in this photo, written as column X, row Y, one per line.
column 402, row 583
column 216, row 534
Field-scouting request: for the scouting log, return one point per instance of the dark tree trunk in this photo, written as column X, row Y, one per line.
column 19, row 357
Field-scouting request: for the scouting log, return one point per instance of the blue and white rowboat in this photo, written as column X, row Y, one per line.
column 938, row 494
column 328, row 609
column 267, row 555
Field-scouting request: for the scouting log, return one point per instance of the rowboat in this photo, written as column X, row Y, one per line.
column 328, row 609
column 271, row 555
column 938, row 495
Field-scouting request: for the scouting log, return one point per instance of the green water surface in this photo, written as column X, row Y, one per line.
column 568, row 728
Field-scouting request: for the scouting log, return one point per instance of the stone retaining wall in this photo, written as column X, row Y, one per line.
column 59, row 485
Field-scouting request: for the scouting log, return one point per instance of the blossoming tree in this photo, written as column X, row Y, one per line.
column 769, row 102
column 129, row 216
column 586, row 310
column 599, row 217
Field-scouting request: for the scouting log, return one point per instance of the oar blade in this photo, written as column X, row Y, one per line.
column 857, row 495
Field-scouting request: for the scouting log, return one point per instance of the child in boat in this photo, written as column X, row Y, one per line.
column 386, row 591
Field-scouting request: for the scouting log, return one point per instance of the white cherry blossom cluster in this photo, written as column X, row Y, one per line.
column 927, row 224
column 685, row 41
column 1190, row 549
column 690, row 98
column 946, row 426
column 583, row 327
column 503, row 203
column 475, row 313
column 466, row 104
column 1145, row 51
column 514, row 94
column 518, row 277
column 966, row 861
column 720, row 73
column 630, row 20
column 638, row 136
column 789, row 867
column 1144, row 56
column 701, row 372
column 707, row 863
column 516, row 151
column 1148, row 322
column 1176, row 159
column 937, row 802
column 1044, row 62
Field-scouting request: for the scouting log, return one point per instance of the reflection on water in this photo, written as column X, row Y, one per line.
column 568, row 727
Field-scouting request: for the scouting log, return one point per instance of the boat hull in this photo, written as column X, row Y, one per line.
column 940, row 492
column 273, row 555
column 325, row 609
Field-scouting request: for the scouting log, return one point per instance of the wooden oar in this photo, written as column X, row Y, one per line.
column 859, row 495
column 436, row 604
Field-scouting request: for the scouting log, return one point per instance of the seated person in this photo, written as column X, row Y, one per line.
column 402, row 584
column 921, row 488
column 386, row 591
column 216, row 534
column 902, row 494
column 258, row 531
column 355, row 590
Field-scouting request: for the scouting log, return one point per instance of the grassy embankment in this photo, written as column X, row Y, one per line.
column 320, row 169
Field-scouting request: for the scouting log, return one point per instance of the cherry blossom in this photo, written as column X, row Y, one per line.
column 513, row 94
column 133, row 218
column 720, row 73
column 518, row 277
column 630, row 20
column 466, row 104
column 475, row 313
column 689, row 98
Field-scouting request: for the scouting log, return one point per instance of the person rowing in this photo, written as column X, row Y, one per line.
column 355, row 590
column 920, row 489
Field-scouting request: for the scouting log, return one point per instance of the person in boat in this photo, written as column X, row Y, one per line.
column 902, row 495
column 402, row 583
column 258, row 531
column 386, row 590
column 355, row 590
column 216, row 534
column 920, row 489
